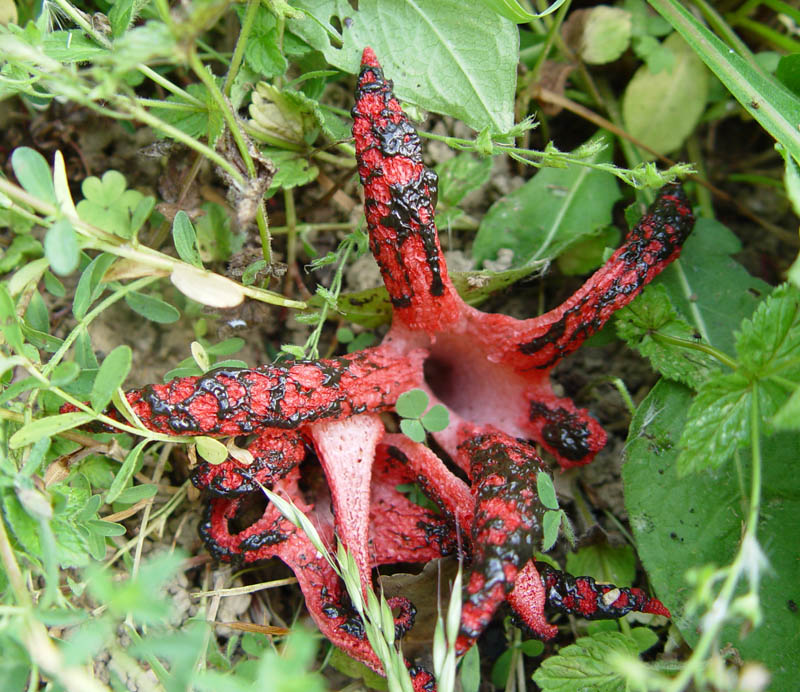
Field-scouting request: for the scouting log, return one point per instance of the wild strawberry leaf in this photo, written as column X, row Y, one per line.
column 651, row 314
column 717, row 424
column 768, row 344
column 681, row 523
column 586, row 664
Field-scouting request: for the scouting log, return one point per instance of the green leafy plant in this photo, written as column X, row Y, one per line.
column 109, row 249
column 416, row 420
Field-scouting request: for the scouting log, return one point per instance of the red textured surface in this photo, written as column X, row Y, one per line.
column 492, row 372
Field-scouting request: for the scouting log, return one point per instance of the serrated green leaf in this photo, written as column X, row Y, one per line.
column 769, row 342
column 718, row 423
column 546, row 490
column 412, row 429
column 61, row 247
column 33, row 173
column 550, row 212
column 47, row 427
column 213, row 451
column 661, row 109
column 437, row 419
column 262, row 50
column 411, row 404
column 586, row 665
column 293, row 169
column 652, row 312
column 605, row 563
column 152, row 308
column 113, row 371
column 550, row 523
column 125, row 472
column 469, row 70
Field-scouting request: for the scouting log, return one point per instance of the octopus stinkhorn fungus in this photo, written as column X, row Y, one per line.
column 318, row 421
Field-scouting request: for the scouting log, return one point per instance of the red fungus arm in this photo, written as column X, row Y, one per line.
column 400, row 195
column 275, row 453
column 650, row 246
column 239, row 401
column 508, row 519
column 540, row 586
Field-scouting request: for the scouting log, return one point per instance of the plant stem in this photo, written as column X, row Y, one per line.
column 696, row 346
column 238, row 53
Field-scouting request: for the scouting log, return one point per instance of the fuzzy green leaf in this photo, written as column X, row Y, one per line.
column 546, row 490
column 113, row 371
column 550, row 523
column 185, row 239
column 47, row 427
column 152, row 308
column 125, row 472
column 61, row 247
column 586, row 665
